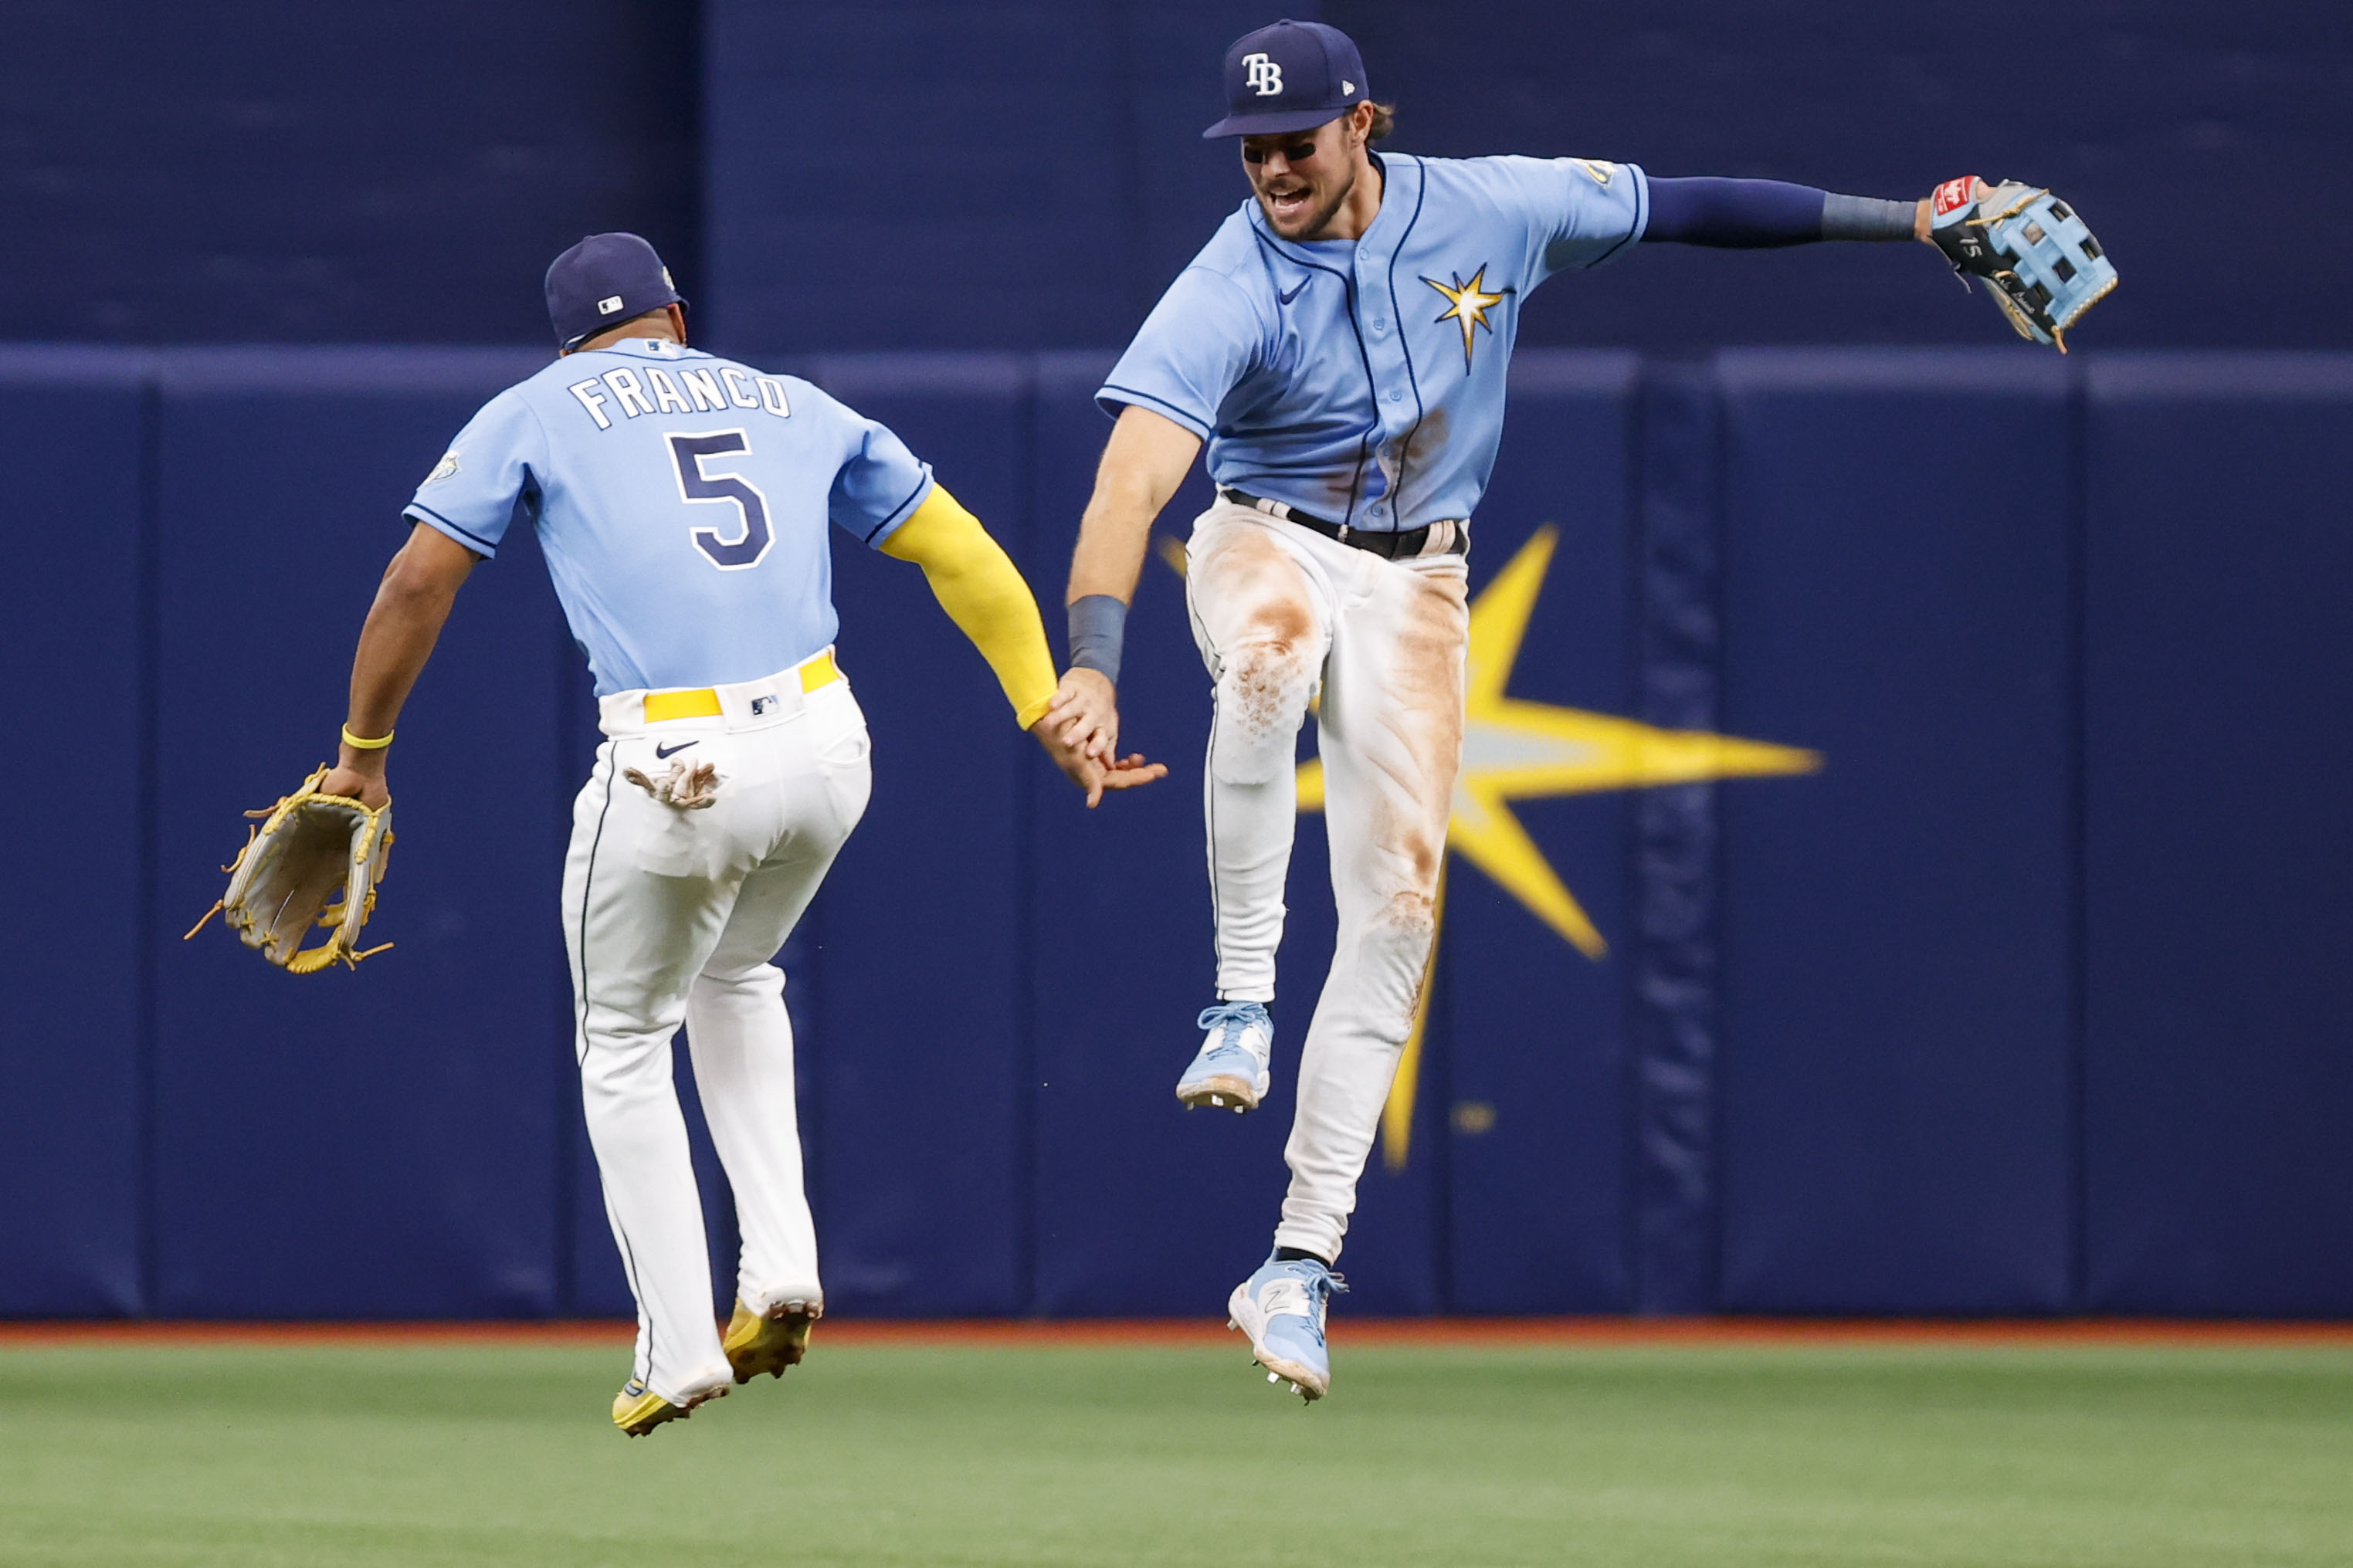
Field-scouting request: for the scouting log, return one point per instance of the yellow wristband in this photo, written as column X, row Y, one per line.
column 378, row 744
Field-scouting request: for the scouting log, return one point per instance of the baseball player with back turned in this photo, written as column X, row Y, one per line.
column 1341, row 345
column 682, row 502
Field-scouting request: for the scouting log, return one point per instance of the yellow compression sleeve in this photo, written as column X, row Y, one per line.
column 984, row 594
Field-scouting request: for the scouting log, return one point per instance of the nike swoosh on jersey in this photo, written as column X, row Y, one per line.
column 1296, row 288
column 662, row 751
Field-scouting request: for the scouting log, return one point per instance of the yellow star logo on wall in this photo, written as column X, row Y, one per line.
column 1516, row 749
column 1469, row 304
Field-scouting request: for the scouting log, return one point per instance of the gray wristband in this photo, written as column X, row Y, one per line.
column 1867, row 217
column 1098, row 627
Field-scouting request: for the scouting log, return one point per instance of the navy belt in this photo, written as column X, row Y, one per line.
column 1388, row 545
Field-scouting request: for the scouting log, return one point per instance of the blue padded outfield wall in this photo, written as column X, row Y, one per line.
column 1996, row 972
column 1934, row 899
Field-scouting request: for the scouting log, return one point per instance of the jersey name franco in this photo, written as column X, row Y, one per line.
column 1362, row 380
column 681, row 502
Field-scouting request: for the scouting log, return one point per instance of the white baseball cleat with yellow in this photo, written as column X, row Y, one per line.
column 771, row 1342
column 637, row 1410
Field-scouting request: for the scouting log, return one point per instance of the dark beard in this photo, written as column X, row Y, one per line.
column 1322, row 216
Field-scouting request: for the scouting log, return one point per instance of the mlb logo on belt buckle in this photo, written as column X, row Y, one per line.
column 761, row 705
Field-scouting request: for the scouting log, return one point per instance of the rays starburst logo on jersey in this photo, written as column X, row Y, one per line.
column 1468, row 303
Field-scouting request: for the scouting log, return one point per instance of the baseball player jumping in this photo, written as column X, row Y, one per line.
column 1341, row 345
column 682, row 502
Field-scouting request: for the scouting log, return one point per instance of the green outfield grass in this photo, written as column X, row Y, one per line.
column 892, row 1455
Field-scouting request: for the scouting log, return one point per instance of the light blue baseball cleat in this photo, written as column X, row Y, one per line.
column 1282, row 1308
column 1231, row 1069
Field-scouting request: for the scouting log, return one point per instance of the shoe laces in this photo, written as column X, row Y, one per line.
column 1322, row 1283
column 1229, row 1018
column 1328, row 1282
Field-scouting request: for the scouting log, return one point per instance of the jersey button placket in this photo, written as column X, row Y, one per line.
column 1384, row 352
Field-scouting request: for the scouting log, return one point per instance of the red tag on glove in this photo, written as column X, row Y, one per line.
column 1953, row 195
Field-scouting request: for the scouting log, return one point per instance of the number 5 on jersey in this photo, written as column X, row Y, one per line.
column 697, row 483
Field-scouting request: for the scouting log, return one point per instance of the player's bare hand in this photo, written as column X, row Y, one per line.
column 1131, row 772
column 1087, row 772
column 359, row 775
column 1077, row 766
column 1085, row 713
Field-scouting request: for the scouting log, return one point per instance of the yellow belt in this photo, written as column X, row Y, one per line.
column 703, row 703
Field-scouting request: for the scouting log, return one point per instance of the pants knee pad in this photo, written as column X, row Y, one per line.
column 1262, row 694
column 1408, row 920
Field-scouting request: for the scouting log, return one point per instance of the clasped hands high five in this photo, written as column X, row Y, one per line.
column 1081, row 732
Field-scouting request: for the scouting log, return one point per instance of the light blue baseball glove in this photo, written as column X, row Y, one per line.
column 2041, row 262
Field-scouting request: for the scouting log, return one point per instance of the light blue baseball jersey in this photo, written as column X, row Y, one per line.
column 681, row 502
column 1362, row 380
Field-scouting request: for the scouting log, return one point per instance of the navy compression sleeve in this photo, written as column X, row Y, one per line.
column 1755, row 214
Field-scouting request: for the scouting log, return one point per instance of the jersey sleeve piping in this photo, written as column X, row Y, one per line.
column 1114, row 394
column 427, row 515
column 1642, row 216
column 904, row 511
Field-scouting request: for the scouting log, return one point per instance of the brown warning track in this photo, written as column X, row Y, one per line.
column 1481, row 1332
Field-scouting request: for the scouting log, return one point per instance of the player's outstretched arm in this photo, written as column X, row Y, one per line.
column 983, row 591
column 1146, row 458
column 2039, row 262
column 1759, row 215
column 402, row 625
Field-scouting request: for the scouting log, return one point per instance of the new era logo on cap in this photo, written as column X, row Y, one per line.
column 1293, row 76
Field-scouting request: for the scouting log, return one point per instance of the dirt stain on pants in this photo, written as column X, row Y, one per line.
column 1278, row 610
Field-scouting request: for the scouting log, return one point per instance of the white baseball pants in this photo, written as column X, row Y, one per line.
column 1277, row 610
column 670, row 917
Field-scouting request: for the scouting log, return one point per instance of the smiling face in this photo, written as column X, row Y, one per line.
column 1302, row 177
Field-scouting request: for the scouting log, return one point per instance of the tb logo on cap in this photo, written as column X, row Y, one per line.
column 1262, row 75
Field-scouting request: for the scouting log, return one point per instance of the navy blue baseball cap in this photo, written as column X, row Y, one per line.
column 1294, row 76
column 605, row 279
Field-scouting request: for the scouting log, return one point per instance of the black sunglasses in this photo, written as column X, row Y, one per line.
column 1298, row 152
